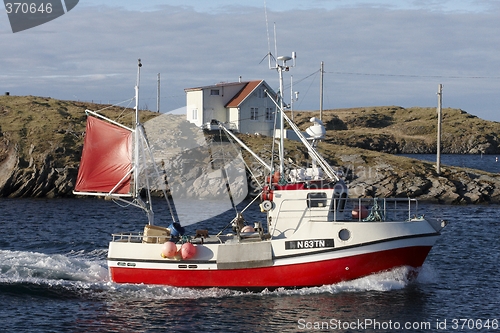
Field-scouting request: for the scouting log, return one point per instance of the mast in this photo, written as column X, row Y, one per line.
column 282, row 120
column 281, row 68
column 136, row 134
column 158, row 95
column 438, row 144
column 138, row 147
column 321, row 70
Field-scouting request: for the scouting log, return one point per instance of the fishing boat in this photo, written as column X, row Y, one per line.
column 310, row 233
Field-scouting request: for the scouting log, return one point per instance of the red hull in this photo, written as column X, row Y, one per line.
column 295, row 275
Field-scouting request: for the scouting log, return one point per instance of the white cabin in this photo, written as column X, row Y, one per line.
column 243, row 106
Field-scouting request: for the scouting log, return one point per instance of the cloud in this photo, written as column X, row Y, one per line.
column 372, row 56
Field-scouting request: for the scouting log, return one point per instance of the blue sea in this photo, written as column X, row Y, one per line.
column 53, row 278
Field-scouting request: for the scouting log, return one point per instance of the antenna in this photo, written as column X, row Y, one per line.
column 267, row 31
column 275, row 42
column 139, row 65
column 282, row 66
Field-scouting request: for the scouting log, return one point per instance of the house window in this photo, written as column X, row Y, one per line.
column 269, row 113
column 254, row 113
column 194, row 114
column 214, row 92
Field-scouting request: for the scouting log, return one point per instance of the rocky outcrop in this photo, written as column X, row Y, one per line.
column 468, row 144
column 453, row 185
column 38, row 177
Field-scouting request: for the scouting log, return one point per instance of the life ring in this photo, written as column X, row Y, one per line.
column 266, row 206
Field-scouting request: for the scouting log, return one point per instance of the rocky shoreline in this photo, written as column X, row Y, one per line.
column 452, row 186
column 366, row 178
column 37, row 180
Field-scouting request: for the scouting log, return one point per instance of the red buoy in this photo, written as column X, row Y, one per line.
column 188, row 251
column 168, row 249
column 359, row 212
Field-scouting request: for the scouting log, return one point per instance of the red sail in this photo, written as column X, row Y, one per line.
column 106, row 158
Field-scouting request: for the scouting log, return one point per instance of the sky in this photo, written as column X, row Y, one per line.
column 375, row 52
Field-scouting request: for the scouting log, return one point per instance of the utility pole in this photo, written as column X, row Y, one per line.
column 439, row 112
column 293, row 98
column 158, row 95
column 321, row 91
column 291, row 95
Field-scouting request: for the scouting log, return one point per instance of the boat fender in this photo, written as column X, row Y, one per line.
column 266, row 206
column 188, row 251
column 168, row 250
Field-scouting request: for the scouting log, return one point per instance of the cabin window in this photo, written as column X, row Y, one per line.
column 214, row 92
column 254, row 113
column 269, row 113
column 316, row 200
column 194, row 114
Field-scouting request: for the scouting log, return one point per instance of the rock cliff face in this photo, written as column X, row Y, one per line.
column 463, row 144
column 37, row 177
column 381, row 178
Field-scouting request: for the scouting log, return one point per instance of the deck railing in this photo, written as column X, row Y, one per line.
column 138, row 237
column 353, row 209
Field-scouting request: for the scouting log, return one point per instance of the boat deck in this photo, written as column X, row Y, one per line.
column 353, row 210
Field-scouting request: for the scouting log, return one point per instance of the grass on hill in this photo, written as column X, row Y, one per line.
column 411, row 124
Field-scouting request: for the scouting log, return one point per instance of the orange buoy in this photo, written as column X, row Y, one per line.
column 274, row 178
column 168, row 249
column 188, row 251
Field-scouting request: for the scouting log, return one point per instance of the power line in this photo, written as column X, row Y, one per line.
column 416, row 76
column 305, row 78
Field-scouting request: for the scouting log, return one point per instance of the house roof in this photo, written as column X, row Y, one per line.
column 217, row 85
column 243, row 94
column 247, row 89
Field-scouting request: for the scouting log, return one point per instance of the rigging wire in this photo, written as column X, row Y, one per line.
column 121, row 115
column 304, row 78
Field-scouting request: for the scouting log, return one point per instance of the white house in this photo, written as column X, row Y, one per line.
column 243, row 106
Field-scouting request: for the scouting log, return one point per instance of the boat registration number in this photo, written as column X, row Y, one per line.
column 308, row 244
